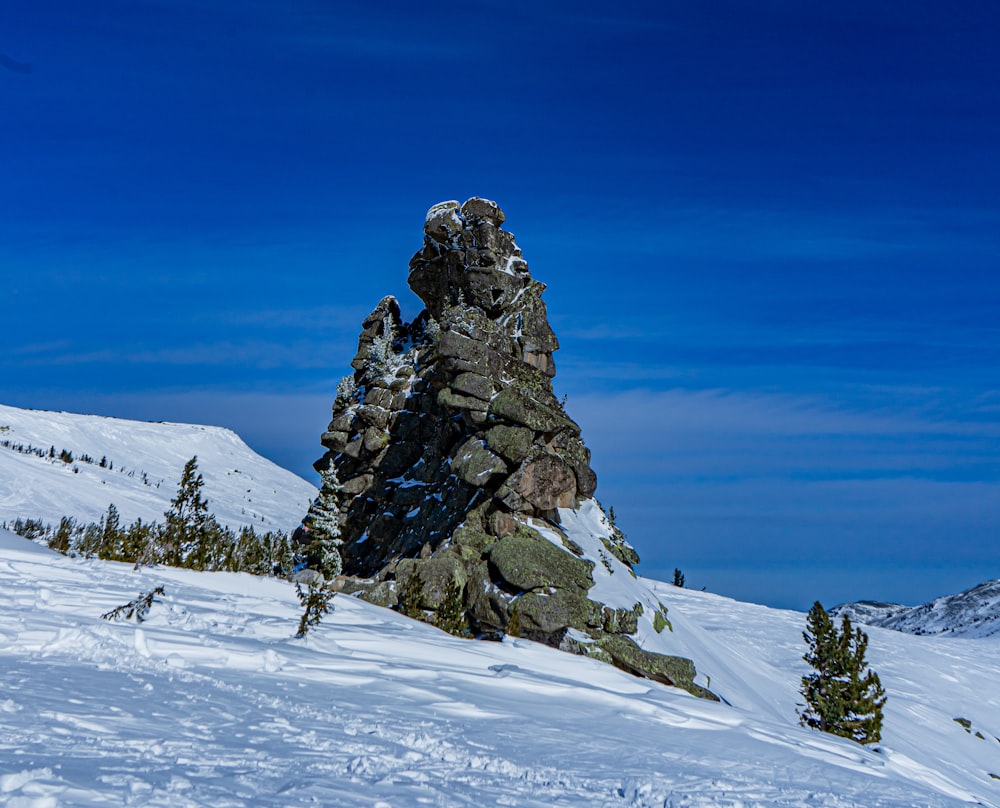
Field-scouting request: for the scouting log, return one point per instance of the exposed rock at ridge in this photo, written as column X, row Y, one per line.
column 447, row 451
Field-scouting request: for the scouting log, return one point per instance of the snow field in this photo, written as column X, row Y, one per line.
column 211, row 701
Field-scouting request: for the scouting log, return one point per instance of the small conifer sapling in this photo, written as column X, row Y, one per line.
column 316, row 602
column 137, row 608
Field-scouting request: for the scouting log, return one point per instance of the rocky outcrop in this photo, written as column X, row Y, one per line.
column 447, row 450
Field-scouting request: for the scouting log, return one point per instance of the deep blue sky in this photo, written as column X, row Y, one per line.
column 771, row 234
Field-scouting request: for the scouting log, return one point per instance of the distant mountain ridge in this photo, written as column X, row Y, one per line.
column 55, row 464
column 972, row 613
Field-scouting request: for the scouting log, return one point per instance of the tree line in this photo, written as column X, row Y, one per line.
column 190, row 537
column 66, row 457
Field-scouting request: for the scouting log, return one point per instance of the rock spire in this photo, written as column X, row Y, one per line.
column 448, row 457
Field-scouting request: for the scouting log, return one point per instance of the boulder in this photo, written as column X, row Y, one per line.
column 550, row 613
column 670, row 670
column 431, row 578
column 526, row 561
column 515, row 405
column 443, row 221
column 475, row 463
column 478, row 209
column 472, row 384
column 546, row 482
column 513, row 442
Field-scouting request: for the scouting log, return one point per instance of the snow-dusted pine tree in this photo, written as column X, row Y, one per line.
column 322, row 528
column 188, row 523
column 385, row 357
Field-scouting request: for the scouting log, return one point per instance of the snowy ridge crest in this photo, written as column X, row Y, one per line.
column 972, row 613
column 55, row 464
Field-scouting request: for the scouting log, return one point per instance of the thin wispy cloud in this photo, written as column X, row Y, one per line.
column 729, row 463
column 313, row 319
column 384, row 47
column 13, row 65
column 757, row 231
column 252, row 354
column 703, row 477
column 35, row 349
column 723, row 413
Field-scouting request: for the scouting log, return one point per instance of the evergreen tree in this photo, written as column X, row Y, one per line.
column 321, row 528
column 111, row 535
column 821, row 689
column 843, row 697
column 865, row 694
column 64, row 533
column 138, row 543
column 187, row 524
column 89, row 543
column 678, row 578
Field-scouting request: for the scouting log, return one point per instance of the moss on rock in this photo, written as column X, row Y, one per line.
column 670, row 670
column 660, row 620
column 437, row 576
column 513, row 442
column 513, row 405
column 621, row 621
column 526, row 561
column 547, row 614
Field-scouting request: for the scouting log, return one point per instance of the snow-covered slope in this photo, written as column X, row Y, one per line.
column 869, row 612
column 972, row 613
column 212, row 702
column 143, row 464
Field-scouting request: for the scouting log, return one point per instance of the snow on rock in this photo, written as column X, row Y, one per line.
column 212, row 702
column 972, row 613
column 143, row 464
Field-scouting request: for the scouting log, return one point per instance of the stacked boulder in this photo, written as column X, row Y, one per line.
column 448, row 449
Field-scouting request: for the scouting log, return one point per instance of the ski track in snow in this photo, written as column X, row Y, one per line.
column 212, row 702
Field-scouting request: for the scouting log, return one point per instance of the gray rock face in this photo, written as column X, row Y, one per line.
column 455, row 410
column 447, row 440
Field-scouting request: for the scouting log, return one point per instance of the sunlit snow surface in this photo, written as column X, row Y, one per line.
column 212, row 702
column 145, row 461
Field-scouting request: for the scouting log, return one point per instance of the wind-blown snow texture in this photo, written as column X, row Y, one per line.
column 212, row 702
column 972, row 613
column 146, row 461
